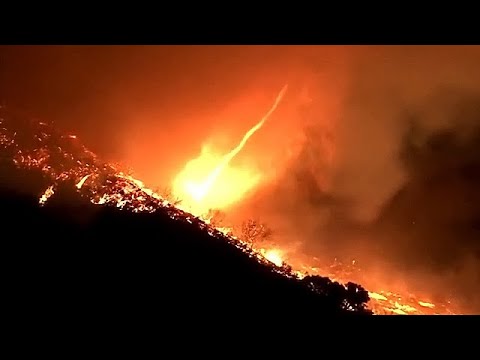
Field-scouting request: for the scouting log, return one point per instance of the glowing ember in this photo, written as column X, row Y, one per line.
column 210, row 182
column 426, row 304
column 376, row 296
column 46, row 195
column 82, row 181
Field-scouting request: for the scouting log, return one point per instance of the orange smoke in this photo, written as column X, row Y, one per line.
column 211, row 182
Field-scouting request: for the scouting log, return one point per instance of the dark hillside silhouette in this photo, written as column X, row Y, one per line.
column 73, row 258
column 107, row 261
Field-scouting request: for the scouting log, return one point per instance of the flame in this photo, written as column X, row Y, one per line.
column 382, row 302
column 274, row 256
column 209, row 181
column 426, row 304
column 46, row 195
column 82, row 181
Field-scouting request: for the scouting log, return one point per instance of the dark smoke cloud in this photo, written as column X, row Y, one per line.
column 385, row 84
column 404, row 189
column 433, row 220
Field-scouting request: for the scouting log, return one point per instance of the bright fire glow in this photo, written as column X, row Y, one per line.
column 46, row 195
column 211, row 182
column 194, row 184
column 275, row 256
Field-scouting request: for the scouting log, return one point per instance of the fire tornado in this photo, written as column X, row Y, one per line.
column 200, row 192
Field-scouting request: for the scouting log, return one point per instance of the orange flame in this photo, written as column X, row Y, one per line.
column 195, row 182
column 274, row 256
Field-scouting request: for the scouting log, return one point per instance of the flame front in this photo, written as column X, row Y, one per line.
column 274, row 256
column 210, row 182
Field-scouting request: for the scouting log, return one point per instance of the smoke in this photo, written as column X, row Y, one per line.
column 401, row 186
column 385, row 87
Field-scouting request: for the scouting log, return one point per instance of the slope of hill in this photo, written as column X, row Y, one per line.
column 102, row 244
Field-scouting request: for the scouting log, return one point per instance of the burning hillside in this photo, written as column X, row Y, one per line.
column 34, row 145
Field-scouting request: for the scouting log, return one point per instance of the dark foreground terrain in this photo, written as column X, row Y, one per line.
column 70, row 259
column 76, row 260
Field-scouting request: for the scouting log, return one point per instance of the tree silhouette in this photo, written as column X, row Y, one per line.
column 253, row 231
column 216, row 217
column 167, row 194
column 351, row 297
